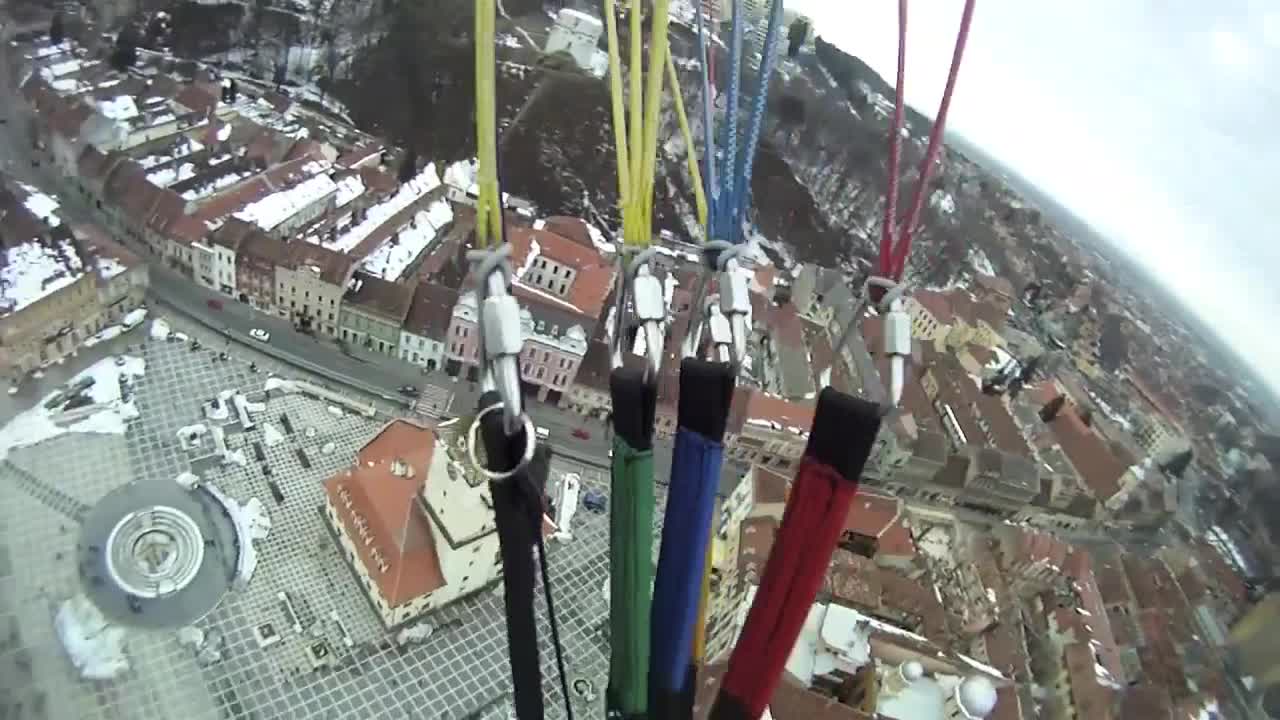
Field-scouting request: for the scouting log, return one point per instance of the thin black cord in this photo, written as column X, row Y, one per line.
column 555, row 628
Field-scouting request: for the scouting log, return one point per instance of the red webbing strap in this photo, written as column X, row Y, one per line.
column 844, row 430
column 793, row 575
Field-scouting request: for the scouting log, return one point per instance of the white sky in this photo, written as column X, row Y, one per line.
column 1152, row 120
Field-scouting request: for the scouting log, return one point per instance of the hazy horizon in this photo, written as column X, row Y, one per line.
column 1149, row 123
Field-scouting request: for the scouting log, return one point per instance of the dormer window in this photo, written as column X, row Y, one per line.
column 400, row 468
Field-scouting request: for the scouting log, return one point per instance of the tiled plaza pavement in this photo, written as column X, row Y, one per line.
column 457, row 673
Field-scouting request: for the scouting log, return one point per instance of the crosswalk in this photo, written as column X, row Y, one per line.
column 432, row 402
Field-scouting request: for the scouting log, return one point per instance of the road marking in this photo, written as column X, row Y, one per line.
column 433, row 402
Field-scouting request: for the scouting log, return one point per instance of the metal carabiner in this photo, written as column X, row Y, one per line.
column 724, row 313
column 647, row 305
column 500, row 333
column 897, row 330
column 735, row 302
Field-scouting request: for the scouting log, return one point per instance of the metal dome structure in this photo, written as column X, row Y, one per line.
column 977, row 696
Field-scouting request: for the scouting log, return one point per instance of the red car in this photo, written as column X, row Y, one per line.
column 214, row 304
column 581, row 434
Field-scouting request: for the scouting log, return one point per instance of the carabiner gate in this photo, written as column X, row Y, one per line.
column 647, row 306
column 500, row 333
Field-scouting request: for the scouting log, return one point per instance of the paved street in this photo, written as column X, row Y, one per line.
column 379, row 376
column 460, row 669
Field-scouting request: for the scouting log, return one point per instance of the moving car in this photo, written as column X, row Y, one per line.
column 408, row 390
column 260, row 335
column 581, row 434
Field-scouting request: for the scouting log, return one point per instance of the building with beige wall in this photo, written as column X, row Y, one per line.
column 416, row 528
column 58, row 285
column 310, row 284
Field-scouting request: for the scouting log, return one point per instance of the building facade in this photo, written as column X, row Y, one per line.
column 372, row 313
column 423, row 337
column 416, row 531
column 310, row 285
column 58, row 285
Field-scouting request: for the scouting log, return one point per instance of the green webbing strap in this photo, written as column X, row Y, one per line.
column 631, row 530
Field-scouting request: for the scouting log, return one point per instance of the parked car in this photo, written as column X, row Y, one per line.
column 260, row 335
column 594, row 501
column 409, row 390
column 581, row 434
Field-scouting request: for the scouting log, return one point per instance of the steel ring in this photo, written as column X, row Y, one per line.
column 529, row 444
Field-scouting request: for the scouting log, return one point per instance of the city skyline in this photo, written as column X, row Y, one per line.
column 1093, row 126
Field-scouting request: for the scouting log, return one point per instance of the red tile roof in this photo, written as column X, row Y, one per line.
column 1091, row 699
column 380, row 182
column 1112, row 584
column 594, row 279
column 1093, row 458
column 388, row 504
column 769, row 487
column 995, row 284
column 383, row 297
column 936, row 303
column 335, row 267
column 871, row 515
column 1079, row 566
column 197, row 97
column 896, row 542
column 1033, row 546
column 571, row 228
column 1224, row 578
column 786, row 413
column 431, row 310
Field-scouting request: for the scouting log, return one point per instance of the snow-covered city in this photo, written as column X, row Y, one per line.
column 245, row 459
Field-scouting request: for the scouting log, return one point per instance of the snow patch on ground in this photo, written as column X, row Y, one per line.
column 281, row 384
column 160, row 329
column 271, row 437
column 95, row 646
column 187, row 480
column 252, row 523
column 978, row 259
column 108, row 413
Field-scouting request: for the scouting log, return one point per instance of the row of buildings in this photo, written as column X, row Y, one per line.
column 267, row 201
column 1055, row 630
column 273, row 203
column 60, row 283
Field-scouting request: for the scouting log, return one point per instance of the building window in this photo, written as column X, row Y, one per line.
column 541, row 371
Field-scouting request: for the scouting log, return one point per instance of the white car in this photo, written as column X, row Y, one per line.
column 260, row 335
